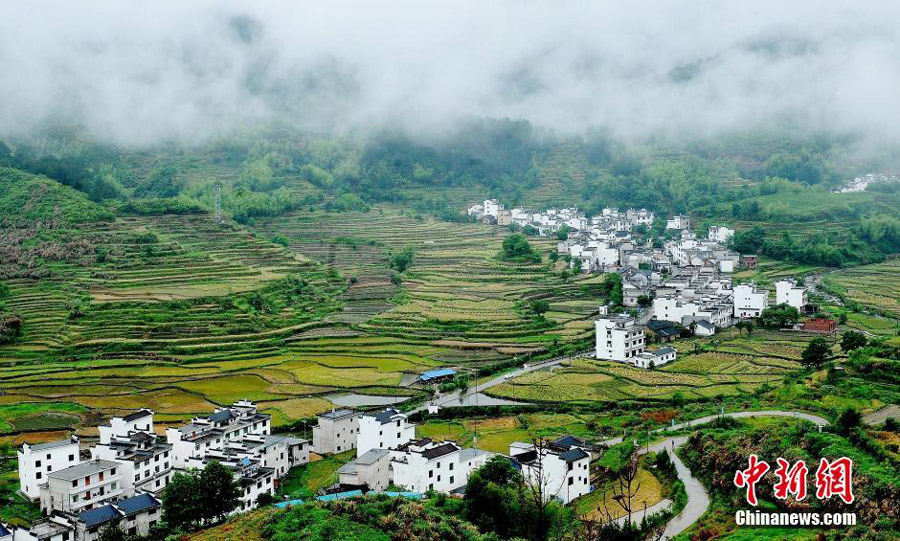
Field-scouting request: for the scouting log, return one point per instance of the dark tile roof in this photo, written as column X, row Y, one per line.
column 136, row 504
column 220, row 416
column 337, row 414
column 439, row 451
column 99, row 515
column 573, row 454
column 4, row 531
column 50, row 445
column 384, row 416
column 527, row 456
column 569, row 440
column 137, row 415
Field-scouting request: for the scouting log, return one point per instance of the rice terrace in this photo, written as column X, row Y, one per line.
column 424, row 271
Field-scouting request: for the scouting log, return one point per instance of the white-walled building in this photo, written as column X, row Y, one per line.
column 492, row 207
column 383, row 430
column 655, row 358
column 425, row 465
column 38, row 461
column 336, row 432
column 562, row 471
column 618, row 338
column 720, row 234
column 748, row 301
column 678, row 222
column 205, row 434
column 133, row 516
column 788, row 292
column 371, row 470
column 82, row 486
column 146, row 461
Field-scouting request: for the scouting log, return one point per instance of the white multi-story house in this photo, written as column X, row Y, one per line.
column 336, row 431
column 618, row 338
column 678, row 222
column 281, row 453
column 748, row 301
column 38, row 461
column 383, row 430
column 788, row 292
column 82, row 487
column 205, row 434
column 720, row 234
column 146, row 461
column 639, row 217
column 492, row 207
column 425, row 465
column 560, row 471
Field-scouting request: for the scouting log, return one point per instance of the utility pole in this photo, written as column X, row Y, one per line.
column 475, row 438
column 219, row 219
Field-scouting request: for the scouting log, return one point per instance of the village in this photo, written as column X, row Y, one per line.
column 678, row 287
column 119, row 481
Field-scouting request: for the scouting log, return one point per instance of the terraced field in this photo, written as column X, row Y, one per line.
column 179, row 314
column 875, row 286
column 738, row 365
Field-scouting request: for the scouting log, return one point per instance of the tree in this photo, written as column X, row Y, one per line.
column 563, row 232
column 644, row 300
column 540, row 306
column 749, row 241
column 403, row 259
column 491, row 500
column 781, row 315
column 816, row 353
column 517, row 248
column 851, row 340
column 849, row 419
column 219, row 491
column 181, row 501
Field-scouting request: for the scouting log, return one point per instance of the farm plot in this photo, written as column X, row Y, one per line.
column 876, row 286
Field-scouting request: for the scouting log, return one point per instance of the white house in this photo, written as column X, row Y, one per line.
column 492, row 207
column 788, row 292
column 678, row 222
column 133, row 516
column 37, row 461
column 146, row 461
column 720, row 234
column 82, row 486
column 204, row 434
column 618, row 338
column 561, row 471
column 371, row 470
column 655, row 358
column 748, row 301
column 336, row 432
column 425, row 465
column 383, row 430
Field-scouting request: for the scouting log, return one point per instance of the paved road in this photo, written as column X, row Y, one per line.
column 457, row 398
column 697, row 498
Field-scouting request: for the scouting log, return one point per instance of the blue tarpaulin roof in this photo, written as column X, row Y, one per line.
column 339, row 495
column 282, row 505
column 433, row 374
column 408, row 495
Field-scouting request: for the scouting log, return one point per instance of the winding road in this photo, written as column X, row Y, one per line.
column 697, row 498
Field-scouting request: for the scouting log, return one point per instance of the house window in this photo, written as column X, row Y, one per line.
column 451, row 466
column 439, row 479
column 75, row 483
column 38, row 475
column 71, row 458
column 398, row 435
column 37, row 464
column 430, row 474
column 571, row 480
column 451, row 479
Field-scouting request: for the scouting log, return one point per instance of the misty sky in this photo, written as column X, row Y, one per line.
column 141, row 72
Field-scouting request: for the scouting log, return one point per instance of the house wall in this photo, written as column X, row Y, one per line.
column 421, row 475
column 335, row 436
column 88, row 492
column 35, row 466
column 374, row 435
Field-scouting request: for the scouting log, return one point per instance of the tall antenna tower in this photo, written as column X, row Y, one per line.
column 219, row 219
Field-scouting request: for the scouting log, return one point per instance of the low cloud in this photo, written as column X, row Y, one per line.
column 144, row 72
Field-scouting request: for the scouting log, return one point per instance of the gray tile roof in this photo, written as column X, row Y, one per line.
column 337, row 414
column 371, row 456
column 50, row 445
column 83, row 470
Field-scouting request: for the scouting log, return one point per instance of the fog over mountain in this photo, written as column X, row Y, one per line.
column 142, row 72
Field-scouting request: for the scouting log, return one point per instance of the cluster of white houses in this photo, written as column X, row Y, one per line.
column 684, row 284
column 128, row 468
column 388, row 453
